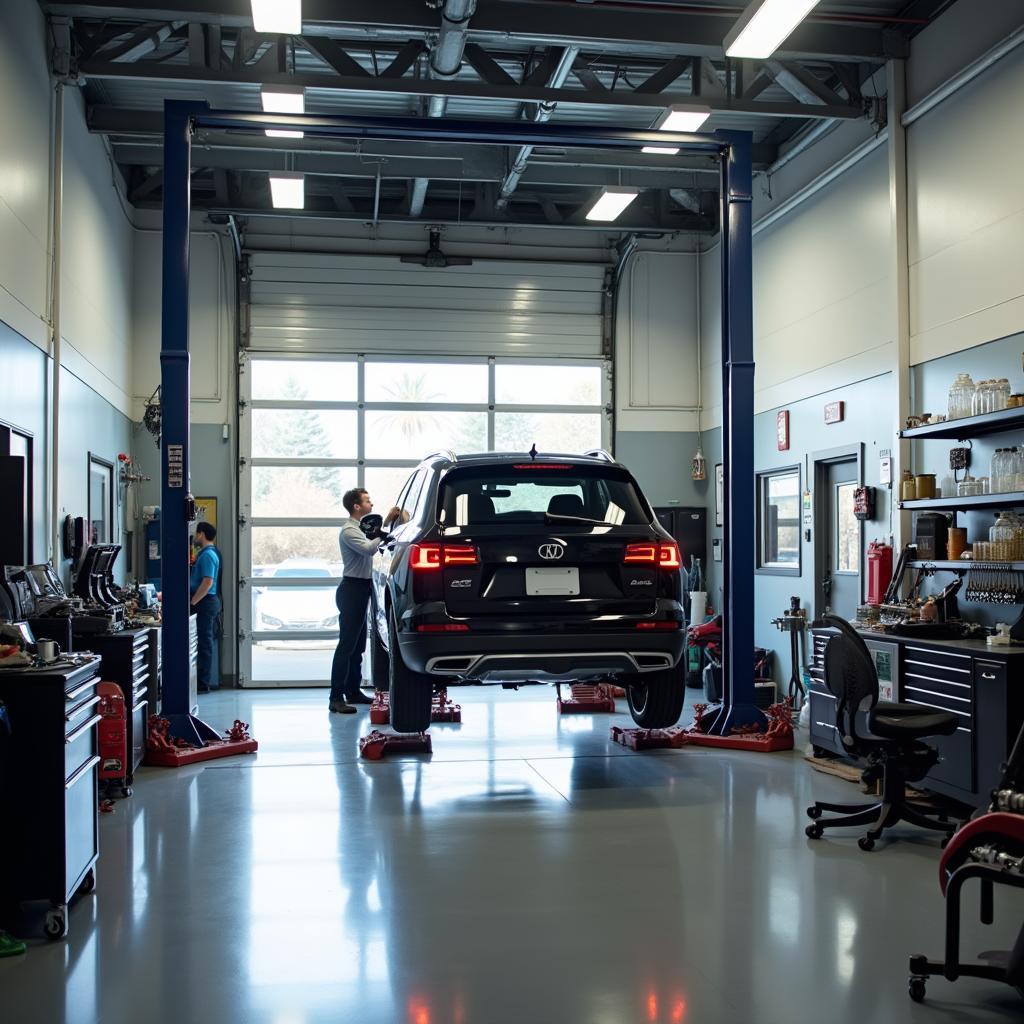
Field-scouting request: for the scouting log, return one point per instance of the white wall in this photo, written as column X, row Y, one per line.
column 657, row 330
column 966, row 230
column 97, row 245
column 211, row 304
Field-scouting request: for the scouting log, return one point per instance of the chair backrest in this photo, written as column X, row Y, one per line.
column 566, row 505
column 851, row 676
column 480, row 508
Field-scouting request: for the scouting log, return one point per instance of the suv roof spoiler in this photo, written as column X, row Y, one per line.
column 599, row 453
column 444, row 453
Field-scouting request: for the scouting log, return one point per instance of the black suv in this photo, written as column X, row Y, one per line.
column 520, row 568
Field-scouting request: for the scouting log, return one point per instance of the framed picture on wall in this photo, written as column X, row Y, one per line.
column 719, row 494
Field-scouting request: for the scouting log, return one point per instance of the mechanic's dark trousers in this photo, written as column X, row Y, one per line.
column 206, row 621
column 352, row 598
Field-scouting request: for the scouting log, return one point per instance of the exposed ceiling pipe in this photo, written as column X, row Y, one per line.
column 808, row 139
column 544, row 112
column 445, row 61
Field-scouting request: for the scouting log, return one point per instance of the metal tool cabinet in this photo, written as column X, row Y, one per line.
column 48, row 796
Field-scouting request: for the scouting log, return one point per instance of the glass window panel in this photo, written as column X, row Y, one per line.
column 566, row 432
column 780, row 520
column 847, row 530
column 101, row 479
column 292, row 660
column 296, row 550
column 547, row 385
column 299, row 380
column 298, row 492
column 401, row 434
column 385, row 484
column 304, row 608
column 426, row 382
column 303, row 434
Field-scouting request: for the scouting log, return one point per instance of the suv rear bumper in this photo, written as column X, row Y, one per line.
column 559, row 656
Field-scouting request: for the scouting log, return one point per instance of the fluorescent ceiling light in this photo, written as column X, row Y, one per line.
column 680, row 117
column 284, row 16
column 764, row 26
column 611, row 203
column 283, row 99
column 288, row 191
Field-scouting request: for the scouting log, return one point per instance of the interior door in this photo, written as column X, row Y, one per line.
column 840, row 581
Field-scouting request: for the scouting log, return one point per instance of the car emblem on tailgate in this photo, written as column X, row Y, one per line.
column 551, row 551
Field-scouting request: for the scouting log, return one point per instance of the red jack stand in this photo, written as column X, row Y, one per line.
column 444, row 709
column 380, row 709
column 779, row 735
column 163, row 752
column 376, row 744
column 586, row 700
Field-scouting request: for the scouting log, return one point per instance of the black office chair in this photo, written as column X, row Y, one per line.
column 893, row 751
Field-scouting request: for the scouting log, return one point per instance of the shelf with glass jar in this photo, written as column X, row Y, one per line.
column 968, row 427
column 966, row 502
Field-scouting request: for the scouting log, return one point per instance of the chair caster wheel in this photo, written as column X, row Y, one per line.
column 866, row 843
column 916, row 989
column 813, row 831
column 56, row 924
column 813, row 811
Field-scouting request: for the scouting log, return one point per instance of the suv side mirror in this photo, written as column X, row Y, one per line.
column 371, row 525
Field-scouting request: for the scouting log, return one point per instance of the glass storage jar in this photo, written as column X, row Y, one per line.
column 961, row 394
column 1000, row 394
column 998, row 471
column 1002, row 535
column 980, row 398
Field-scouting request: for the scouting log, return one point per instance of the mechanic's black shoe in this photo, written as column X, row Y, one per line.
column 341, row 707
column 359, row 698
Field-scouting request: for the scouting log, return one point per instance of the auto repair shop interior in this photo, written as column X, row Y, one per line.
column 674, row 673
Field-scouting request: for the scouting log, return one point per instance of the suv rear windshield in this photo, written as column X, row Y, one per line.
column 505, row 494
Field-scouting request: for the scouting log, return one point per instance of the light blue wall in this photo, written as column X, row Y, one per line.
column 88, row 424
column 867, row 421
column 930, row 385
column 660, row 460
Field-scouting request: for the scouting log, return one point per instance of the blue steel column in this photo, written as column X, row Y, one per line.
column 174, row 400
column 738, row 707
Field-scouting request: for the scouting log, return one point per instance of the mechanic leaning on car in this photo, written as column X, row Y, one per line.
column 352, row 598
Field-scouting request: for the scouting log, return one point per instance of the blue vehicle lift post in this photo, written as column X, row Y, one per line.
column 733, row 149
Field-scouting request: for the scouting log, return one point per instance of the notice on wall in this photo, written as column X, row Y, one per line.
column 175, row 465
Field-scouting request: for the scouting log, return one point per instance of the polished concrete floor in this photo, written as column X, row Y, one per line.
column 528, row 871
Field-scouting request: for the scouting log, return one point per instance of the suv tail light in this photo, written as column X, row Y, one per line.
column 663, row 555
column 434, row 556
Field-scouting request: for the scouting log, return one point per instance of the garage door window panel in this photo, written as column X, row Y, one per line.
column 416, row 433
column 550, row 432
column 283, row 492
column 280, row 547
column 434, row 383
column 533, row 384
column 304, row 434
column 385, row 485
column 303, row 380
column 292, row 661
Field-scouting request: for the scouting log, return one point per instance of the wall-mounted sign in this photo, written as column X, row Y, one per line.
column 835, row 412
column 885, row 467
column 175, row 465
column 782, row 430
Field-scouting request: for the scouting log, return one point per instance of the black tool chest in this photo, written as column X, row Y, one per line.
column 979, row 684
column 48, row 794
column 125, row 661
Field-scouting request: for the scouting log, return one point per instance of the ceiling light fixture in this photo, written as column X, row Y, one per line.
column 764, row 26
column 680, row 117
column 283, row 99
column 288, row 191
column 611, row 202
column 283, row 16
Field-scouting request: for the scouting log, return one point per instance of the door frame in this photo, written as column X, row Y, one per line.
column 821, row 462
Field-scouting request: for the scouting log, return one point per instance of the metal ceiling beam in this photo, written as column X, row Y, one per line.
column 602, row 97
column 692, row 31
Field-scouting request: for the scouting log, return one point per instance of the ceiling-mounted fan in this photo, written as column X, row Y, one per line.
column 433, row 257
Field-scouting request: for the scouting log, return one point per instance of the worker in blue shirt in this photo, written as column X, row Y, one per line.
column 206, row 602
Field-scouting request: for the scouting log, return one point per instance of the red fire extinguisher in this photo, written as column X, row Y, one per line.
column 879, row 571
column 113, row 740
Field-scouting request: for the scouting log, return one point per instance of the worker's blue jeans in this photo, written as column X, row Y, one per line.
column 352, row 598
column 207, row 611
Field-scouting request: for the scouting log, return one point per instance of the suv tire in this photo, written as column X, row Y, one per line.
column 656, row 698
column 412, row 693
column 379, row 669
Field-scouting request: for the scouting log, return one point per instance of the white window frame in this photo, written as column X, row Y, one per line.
column 359, row 464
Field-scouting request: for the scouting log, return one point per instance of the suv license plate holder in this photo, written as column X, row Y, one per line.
column 563, row 581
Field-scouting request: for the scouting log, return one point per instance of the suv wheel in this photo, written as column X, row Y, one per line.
column 656, row 698
column 379, row 669
column 411, row 692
